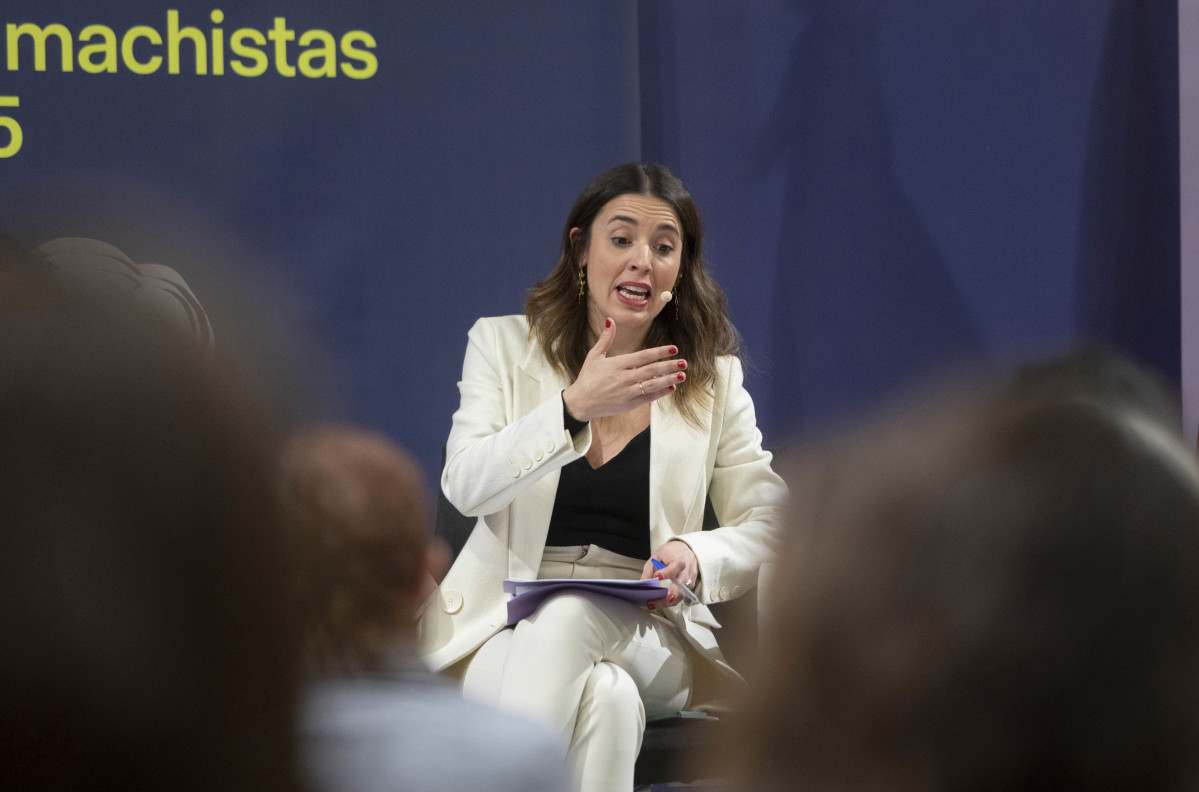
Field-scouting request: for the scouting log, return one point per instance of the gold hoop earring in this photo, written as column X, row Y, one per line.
column 582, row 282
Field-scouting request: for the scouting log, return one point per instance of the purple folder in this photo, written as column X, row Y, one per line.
column 529, row 594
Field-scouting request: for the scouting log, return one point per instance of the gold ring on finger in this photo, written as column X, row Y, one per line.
column 642, row 386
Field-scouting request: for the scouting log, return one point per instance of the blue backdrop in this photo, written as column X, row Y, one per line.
column 887, row 186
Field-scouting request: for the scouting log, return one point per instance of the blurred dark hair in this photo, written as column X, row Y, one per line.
column 1101, row 377
column 356, row 511
column 989, row 596
column 148, row 643
column 698, row 323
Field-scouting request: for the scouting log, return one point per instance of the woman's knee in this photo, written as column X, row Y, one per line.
column 611, row 693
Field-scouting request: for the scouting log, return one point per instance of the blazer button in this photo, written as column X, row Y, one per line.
column 538, row 455
column 724, row 592
column 515, row 471
column 736, row 591
column 550, row 445
column 527, row 463
column 451, row 601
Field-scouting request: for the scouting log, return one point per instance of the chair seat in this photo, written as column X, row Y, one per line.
column 668, row 739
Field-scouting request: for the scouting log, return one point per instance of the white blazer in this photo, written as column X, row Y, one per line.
column 503, row 457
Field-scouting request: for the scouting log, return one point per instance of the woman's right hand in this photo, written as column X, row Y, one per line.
column 613, row 385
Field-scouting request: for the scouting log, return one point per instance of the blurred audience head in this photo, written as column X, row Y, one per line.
column 993, row 593
column 1100, row 377
column 356, row 510
column 148, row 643
column 75, row 271
column 95, row 271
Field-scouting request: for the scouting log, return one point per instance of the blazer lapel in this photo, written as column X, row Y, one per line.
column 534, row 381
column 678, row 465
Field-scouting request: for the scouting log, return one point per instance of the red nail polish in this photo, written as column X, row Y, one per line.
column 672, row 387
column 682, row 377
column 650, row 606
column 682, row 364
column 657, row 577
column 670, row 598
column 607, row 323
column 672, row 351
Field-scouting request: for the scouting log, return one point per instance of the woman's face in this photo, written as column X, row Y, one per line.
column 633, row 256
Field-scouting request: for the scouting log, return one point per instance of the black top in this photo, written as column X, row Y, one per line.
column 606, row 506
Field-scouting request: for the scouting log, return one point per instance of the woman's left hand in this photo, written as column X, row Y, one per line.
column 681, row 565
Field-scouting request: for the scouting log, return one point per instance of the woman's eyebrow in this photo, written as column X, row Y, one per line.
column 663, row 226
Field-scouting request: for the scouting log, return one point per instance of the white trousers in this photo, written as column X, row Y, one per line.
column 591, row 667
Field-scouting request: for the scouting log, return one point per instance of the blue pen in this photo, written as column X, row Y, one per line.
column 688, row 593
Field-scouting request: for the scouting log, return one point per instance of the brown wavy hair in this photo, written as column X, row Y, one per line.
column 698, row 322
column 355, row 510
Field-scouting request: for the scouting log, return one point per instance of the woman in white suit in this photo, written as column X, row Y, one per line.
column 590, row 432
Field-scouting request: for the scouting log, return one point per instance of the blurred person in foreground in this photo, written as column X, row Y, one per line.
column 376, row 718
column 147, row 644
column 991, row 593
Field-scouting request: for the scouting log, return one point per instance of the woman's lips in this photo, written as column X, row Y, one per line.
column 636, row 296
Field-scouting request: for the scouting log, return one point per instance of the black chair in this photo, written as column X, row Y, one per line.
column 666, row 739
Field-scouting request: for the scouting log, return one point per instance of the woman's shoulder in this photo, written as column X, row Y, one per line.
column 728, row 369
column 512, row 325
column 506, row 335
